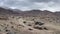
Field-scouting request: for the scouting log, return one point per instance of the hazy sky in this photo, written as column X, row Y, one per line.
column 52, row 5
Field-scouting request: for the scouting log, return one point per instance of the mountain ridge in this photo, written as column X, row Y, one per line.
column 27, row 13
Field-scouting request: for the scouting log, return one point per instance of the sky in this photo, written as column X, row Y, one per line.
column 51, row 5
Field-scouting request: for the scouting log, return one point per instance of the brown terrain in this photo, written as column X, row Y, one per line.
column 29, row 22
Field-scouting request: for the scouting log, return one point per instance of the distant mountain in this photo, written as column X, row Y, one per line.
column 37, row 13
column 8, row 11
column 57, row 13
column 28, row 13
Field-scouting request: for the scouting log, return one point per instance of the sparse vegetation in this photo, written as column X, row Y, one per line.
column 30, row 29
column 29, row 25
column 0, row 30
column 12, row 26
column 24, row 21
column 7, row 30
column 45, row 28
column 39, row 23
column 8, row 33
column 1, row 18
column 39, row 28
column 12, row 16
column 11, row 22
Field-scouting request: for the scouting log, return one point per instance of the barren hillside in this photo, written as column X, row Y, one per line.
column 29, row 22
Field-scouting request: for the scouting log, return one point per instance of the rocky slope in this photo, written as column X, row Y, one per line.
column 29, row 22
